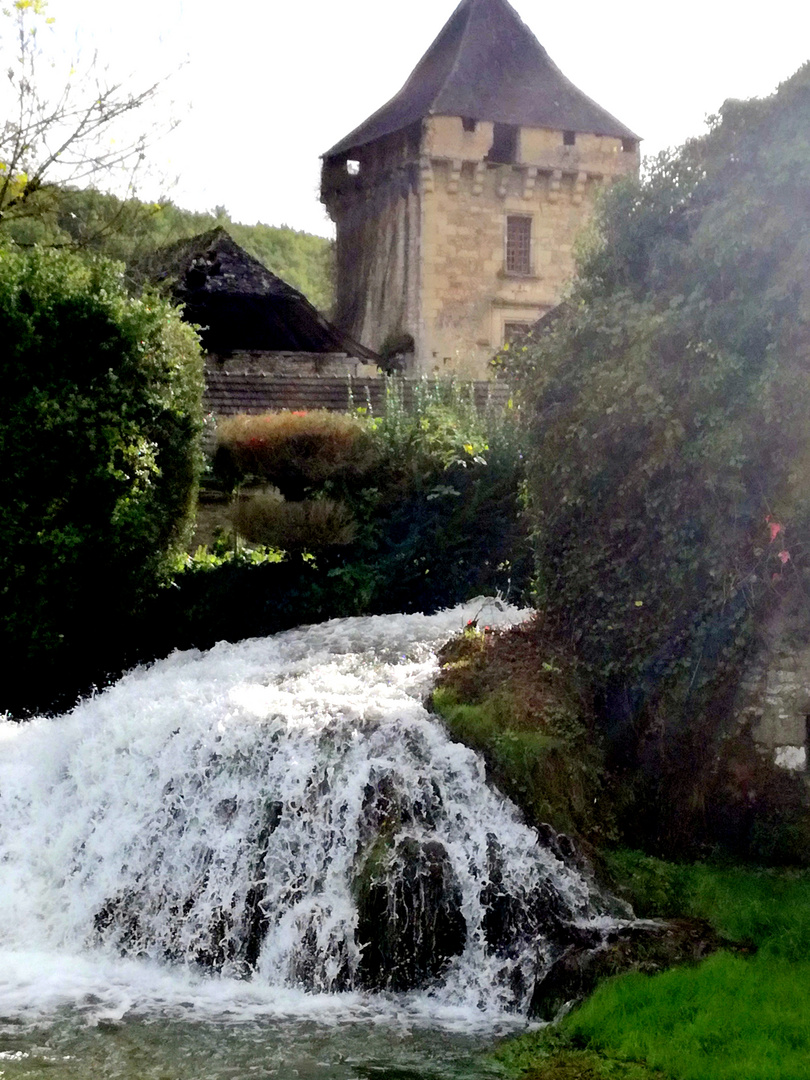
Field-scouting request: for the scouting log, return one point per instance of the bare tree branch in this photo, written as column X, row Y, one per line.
column 61, row 136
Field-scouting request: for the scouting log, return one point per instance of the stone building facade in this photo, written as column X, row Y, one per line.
column 457, row 205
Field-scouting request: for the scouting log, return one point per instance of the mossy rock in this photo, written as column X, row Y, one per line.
column 410, row 924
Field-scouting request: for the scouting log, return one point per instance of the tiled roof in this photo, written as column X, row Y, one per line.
column 486, row 64
column 228, row 394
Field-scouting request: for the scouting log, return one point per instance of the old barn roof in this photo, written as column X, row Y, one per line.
column 486, row 64
column 240, row 304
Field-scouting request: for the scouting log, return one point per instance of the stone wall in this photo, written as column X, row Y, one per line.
column 773, row 697
column 468, row 297
column 290, row 363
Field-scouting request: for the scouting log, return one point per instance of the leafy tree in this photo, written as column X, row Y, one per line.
column 99, row 425
column 668, row 479
column 128, row 229
column 57, row 133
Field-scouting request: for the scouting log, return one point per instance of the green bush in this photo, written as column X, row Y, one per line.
column 668, row 472
column 99, row 424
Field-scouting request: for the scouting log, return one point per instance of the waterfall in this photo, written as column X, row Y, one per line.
column 276, row 820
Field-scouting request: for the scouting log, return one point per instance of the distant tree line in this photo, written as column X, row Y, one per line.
column 126, row 229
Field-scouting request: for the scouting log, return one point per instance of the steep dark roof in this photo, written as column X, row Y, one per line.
column 239, row 303
column 488, row 65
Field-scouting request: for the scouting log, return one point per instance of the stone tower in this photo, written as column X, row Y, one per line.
column 458, row 202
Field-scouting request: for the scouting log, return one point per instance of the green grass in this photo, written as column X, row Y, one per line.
column 552, row 772
column 733, row 1017
column 769, row 908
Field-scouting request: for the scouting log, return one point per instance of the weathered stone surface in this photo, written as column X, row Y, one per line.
column 773, row 696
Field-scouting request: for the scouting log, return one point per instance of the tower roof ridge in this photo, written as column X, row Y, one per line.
column 487, row 64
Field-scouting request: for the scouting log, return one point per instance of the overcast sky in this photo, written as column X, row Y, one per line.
column 263, row 87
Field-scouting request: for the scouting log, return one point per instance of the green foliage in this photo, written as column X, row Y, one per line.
column 99, row 426
column 671, row 399
column 432, row 487
column 441, row 426
column 127, row 229
column 238, row 594
column 770, row 909
column 727, row 1018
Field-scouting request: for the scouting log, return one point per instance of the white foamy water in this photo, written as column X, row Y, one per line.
column 189, row 842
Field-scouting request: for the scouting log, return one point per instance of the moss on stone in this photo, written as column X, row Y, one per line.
column 522, row 708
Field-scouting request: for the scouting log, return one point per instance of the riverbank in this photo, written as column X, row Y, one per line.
column 729, row 1017
column 517, row 698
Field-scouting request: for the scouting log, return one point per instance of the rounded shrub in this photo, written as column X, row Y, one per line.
column 99, row 458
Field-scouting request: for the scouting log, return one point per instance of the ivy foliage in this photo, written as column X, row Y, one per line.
column 99, row 459
column 669, row 479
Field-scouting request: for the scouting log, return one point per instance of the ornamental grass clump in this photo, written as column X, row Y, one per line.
column 294, row 451
column 265, row 518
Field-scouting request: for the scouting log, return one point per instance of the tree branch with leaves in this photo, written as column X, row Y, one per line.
column 60, row 129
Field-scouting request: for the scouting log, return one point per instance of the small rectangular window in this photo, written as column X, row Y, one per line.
column 504, row 149
column 468, row 123
column 513, row 331
column 518, row 245
column 629, row 146
column 569, row 138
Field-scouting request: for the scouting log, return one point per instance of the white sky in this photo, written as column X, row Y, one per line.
column 263, row 87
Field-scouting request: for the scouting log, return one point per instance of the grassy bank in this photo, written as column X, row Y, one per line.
column 733, row 1017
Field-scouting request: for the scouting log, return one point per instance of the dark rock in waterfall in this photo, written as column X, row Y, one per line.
column 118, row 920
column 511, row 920
column 256, row 922
column 592, row 954
column 410, row 923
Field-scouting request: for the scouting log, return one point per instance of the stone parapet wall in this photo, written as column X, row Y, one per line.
column 290, row 363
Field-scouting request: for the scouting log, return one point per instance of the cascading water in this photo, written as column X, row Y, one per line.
column 255, row 828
